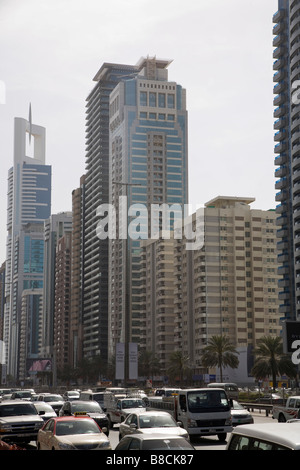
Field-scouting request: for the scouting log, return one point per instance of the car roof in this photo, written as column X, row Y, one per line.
column 82, row 402
column 148, row 437
column 71, row 418
column 15, row 402
column 140, row 411
column 287, row 434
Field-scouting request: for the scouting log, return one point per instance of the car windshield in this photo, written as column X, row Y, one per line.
column 156, row 421
column 79, row 426
column 132, row 404
column 89, row 407
column 49, row 398
column 17, row 410
column 207, row 400
column 237, row 406
column 23, row 394
column 40, row 406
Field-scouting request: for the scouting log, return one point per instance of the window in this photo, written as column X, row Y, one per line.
column 143, row 98
column 171, row 100
column 161, row 100
column 152, row 100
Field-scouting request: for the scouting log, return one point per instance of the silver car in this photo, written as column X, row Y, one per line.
column 146, row 422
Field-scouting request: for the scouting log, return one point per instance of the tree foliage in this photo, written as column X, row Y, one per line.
column 220, row 353
column 270, row 361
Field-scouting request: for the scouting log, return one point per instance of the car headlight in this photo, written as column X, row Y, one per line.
column 64, row 446
column 192, row 423
column 105, row 445
column 5, row 427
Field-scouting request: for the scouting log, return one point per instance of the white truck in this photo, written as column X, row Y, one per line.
column 117, row 409
column 201, row 411
column 291, row 410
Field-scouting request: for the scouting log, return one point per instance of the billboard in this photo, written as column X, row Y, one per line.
column 291, row 333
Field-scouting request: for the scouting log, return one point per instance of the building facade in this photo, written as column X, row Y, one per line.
column 96, row 192
column 28, row 202
column 148, row 167
column 229, row 286
column 54, row 228
column 76, row 337
column 287, row 150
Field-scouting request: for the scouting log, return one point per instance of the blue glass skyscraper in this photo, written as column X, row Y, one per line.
column 148, row 166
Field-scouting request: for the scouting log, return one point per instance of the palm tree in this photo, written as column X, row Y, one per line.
column 148, row 364
column 220, row 353
column 179, row 365
column 271, row 361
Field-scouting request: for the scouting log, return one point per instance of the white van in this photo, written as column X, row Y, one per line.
column 265, row 436
column 231, row 389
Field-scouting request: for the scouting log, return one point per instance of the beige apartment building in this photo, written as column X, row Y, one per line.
column 157, row 298
column 227, row 285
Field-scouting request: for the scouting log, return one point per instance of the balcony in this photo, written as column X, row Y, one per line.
column 283, row 295
column 283, row 245
column 281, row 208
column 279, row 88
column 280, row 135
column 283, row 270
column 281, row 159
column 278, row 112
column 279, row 123
column 279, row 39
column 279, row 63
column 278, row 52
column 281, row 183
column 279, row 15
column 281, row 233
column 280, row 147
column 281, row 221
column 280, row 172
column 296, row 200
column 278, row 76
column 282, row 258
column 281, row 196
column 279, row 99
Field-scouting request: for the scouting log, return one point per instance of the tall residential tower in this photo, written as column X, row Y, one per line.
column 96, row 192
column 287, row 149
column 148, row 167
column 28, row 206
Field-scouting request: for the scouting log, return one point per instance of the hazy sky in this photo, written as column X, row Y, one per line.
column 50, row 50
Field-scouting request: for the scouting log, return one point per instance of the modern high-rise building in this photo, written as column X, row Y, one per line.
column 287, row 149
column 148, row 168
column 62, row 302
column 75, row 340
column 229, row 286
column 29, row 204
column 96, row 192
column 55, row 227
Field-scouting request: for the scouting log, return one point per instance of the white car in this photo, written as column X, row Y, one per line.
column 72, row 433
column 240, row 415
column 265, row 436
column 146, row 422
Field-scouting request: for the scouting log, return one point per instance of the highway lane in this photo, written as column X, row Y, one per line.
column 205, row 443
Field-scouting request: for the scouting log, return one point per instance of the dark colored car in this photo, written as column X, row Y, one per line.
column 154, row 442
column 89, row 408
